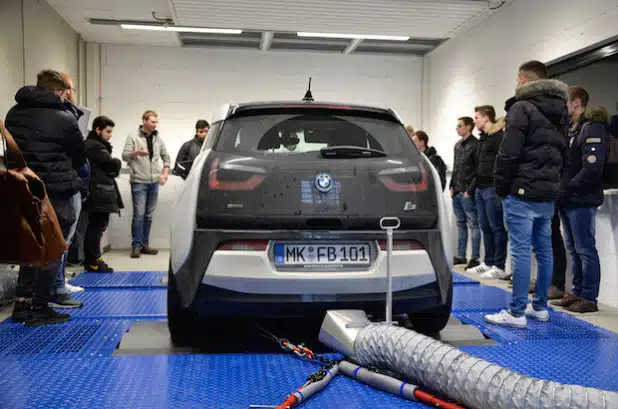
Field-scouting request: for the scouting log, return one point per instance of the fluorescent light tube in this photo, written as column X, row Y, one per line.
column 180, row 29
column 354, row 36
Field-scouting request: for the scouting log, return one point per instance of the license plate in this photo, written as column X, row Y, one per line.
column 322, row 254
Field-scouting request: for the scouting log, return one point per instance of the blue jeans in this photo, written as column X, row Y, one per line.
column 529, row 226
column 467, row 218
column 68, row 215
column 144, row 203
column 579, row 230
column 489, row 208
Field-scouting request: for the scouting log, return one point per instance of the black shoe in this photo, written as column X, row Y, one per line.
column 65, row 301
column 459, row 261
column 98, row 266
column 473, row 263
column 149, row 251
column 136, row 253
column 36, row 315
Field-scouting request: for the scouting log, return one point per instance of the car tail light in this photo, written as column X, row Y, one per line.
column 244, row 245
column 217, row 180
column 401, row 245
column 394, row 186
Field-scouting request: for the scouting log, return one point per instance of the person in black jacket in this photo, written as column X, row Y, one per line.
column 53, row 146
column 104, row 194
column 420, row 139
column 190, row 149
column 583, row 193
column 462, row 193
column 529, row 168
column 488, row 204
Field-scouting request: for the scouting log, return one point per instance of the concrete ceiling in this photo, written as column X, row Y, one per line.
column 273, row 24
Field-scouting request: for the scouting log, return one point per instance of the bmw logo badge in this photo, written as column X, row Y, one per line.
column 324, row 182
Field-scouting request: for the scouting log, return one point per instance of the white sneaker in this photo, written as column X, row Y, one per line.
column 480, row 269
column 73, row 288
column 495, row 273
column 533, row 314
column 505, row 318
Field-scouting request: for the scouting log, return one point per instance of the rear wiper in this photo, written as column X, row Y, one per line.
column 351, row 152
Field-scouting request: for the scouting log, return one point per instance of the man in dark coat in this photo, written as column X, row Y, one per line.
column 190, row 149
column 589, row 147
column 104, row 196
column 420, row 139
column 528, row 172
column 53, row 146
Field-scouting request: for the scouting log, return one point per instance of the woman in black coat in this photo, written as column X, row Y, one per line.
column 104, row 197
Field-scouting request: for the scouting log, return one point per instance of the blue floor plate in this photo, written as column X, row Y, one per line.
column 462, row 279
column 120, row 279
column 71, row 339
column 143, row 303
column 561, row 326
column 176, row 381
column 479, row 298
column 578, row 362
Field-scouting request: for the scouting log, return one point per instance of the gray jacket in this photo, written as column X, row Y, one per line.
column 141, row 168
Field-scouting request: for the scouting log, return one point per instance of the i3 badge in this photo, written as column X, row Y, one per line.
column 323, row 182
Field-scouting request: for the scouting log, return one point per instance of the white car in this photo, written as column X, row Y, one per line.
column 280, row 216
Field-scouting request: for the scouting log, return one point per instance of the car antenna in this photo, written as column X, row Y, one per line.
column 308, row 96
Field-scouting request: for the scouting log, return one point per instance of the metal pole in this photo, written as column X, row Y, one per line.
column 389, row 224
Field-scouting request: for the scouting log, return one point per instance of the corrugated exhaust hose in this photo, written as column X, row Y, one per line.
column 471, row 381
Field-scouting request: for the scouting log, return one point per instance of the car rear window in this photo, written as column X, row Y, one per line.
column 306, row 133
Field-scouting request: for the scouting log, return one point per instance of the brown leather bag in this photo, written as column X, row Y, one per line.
column 29, row 228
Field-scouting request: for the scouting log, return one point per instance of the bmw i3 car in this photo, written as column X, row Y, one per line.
column 280, row 217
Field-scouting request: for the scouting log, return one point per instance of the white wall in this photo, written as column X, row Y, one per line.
column 32, row 37
column 479, row 66
column 185, row 84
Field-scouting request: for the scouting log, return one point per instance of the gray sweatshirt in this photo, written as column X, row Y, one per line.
column 142, row 168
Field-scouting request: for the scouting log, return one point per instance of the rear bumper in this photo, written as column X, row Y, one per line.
column 251, row 273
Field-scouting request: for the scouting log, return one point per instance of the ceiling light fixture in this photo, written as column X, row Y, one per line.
column 180, row 29
column 354, row 36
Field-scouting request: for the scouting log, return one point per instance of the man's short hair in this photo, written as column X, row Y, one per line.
column 52, row 80
column 410, row 128
column 201, row 124
column 467, row 121
column 577, row 92
column 148, row 114
column 102, row 122
column 534, row 70
column 422, row 136
column 488, row 111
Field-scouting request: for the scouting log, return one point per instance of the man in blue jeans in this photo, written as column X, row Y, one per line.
column 589, row 148
column 529, row 169
column 488, row 205
column 149, row 165
column 462, row 193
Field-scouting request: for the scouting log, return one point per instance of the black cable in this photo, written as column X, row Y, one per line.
column 497, row 7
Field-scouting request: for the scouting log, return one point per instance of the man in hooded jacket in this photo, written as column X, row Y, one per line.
column 530, row 166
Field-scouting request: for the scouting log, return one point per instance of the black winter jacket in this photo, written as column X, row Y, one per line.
column 49, row 138
column 186, row 155
column 104, row 194
column 438, row 163
column 488, row 146
column 464, row 165
column 533, row 155
column 587, row 156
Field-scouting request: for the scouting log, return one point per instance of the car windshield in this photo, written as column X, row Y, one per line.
column 294, row 134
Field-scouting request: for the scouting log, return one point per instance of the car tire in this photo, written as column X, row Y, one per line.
column 433, row 320
column 181, row 322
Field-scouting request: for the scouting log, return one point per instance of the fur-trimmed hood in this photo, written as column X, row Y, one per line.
column 597, row 114
column 498, row 126
column 548, row 87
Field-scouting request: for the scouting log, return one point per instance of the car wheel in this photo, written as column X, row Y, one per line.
column 433, row 320
column 181, row 321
